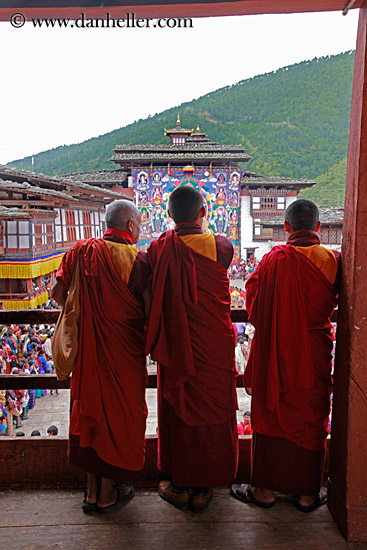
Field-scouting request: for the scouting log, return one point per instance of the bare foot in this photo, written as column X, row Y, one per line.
column 306, row 500
column 108, row 493
column 264, row 495
column 92, row 489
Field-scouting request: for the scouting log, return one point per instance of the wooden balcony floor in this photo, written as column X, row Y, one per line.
column 53, row 519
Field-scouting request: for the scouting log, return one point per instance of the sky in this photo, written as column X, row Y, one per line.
column 63, row 86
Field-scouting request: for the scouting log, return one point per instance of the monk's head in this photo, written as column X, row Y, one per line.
column 186, row 205
column 301, row 214
column 124, row 216
column 247, row 417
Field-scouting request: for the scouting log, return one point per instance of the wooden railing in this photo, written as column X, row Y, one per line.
column 29, row 316
column 41, row 462
column 28, row 295
column 50, row 316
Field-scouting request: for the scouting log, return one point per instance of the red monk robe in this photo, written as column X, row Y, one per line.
column 107, row 426
column 190, row 336
column 290, row 298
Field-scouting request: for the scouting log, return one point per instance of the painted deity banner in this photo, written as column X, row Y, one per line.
column 220, row 189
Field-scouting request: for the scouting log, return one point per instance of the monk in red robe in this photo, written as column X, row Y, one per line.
column 190, row 335
column 290, row 298
column 107, row 425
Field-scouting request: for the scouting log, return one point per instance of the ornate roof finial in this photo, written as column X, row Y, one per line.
column 178, row 123
column 197, row 134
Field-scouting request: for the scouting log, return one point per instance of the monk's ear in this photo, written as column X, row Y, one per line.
column 287, row 227
column 202, row 212
column 317, row 228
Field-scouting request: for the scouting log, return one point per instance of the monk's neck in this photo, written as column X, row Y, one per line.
column 188, row 228
column 304, row 237
column 117, row 236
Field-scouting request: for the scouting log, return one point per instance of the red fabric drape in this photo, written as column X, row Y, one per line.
column 289, row 302
column 108, row 383
column 190, row 332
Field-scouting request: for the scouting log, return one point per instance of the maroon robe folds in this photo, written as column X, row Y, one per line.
column 289, row 301
column 190, row 336
column 107, row 427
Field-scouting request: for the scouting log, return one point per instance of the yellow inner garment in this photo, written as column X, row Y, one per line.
column 321, row 257
column 123, row 257
column 203, row 243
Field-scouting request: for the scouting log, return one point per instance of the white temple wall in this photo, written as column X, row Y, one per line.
column 262, row 248
column 246, row 225
column 289, row 200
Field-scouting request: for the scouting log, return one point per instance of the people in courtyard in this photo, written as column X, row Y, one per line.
column 190, row 336
column 290, row 298
column 244, row 427
column 241, row 354
column 23, row 362
column 107, row 425
column 243, row 270
column 52, row 430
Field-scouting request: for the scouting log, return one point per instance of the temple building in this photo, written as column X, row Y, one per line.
column 330, row 232
column 40, row 218
column 264, row 198
column 238, row 202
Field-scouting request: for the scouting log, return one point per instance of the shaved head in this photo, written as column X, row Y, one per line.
column 119, row 213
column 124, row 216
column 302, row 214
column 184, row 204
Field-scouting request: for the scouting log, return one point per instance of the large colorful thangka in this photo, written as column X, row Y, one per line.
column 220, row 189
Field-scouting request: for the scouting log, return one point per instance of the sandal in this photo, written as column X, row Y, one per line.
column 91, row 506
column 124, row 494
column 179, row 498
column 320, row 500
column 243, row 493
column 88, row 506
column 201, row 501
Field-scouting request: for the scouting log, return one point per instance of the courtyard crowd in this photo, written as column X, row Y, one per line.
column 24, row 349
column 243, row 270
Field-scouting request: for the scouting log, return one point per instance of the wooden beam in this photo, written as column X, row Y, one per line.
column 348, row 479
column 32, row 382
column 41, row 463
column 56, row 202
column 50, row 382
column 29, row 316
column 159, row 8
column 42, row 316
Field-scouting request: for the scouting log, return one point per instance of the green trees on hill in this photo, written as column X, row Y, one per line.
column 294, row 122
column 330, row 187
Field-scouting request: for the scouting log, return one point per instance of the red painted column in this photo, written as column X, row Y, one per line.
column 348, row 461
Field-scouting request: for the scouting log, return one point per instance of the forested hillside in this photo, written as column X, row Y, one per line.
column 330, row 187
column 293, row 122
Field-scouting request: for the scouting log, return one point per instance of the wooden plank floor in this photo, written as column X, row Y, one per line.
column 53, row 519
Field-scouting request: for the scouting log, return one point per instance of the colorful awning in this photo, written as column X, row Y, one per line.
column 29, row 268
column 26, row 304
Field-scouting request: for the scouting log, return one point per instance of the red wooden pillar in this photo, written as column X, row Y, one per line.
column 348, row 461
